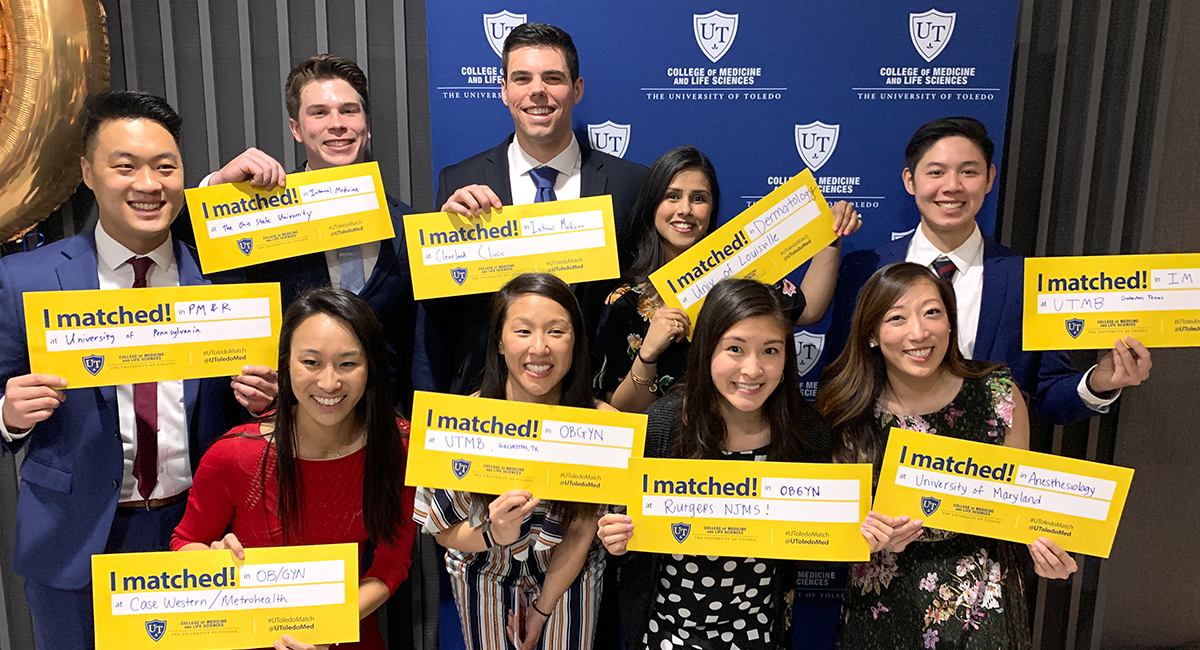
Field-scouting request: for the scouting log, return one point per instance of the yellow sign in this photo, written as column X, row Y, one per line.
column 791, row 511
column 770, row 239
column 451, row 255
column 492, row 446
column 124, row 336
column 1087, row 303
column 1003, row 493
column 237, row 224
column 209, row 600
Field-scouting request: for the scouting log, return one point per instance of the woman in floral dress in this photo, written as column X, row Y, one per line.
column 644, row 342
column 902, row 368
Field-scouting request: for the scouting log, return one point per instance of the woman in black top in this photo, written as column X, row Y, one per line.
column 741, row 403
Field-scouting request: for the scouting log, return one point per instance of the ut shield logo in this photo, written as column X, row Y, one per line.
column 1074, row 327
column 460, row 467
column 497, row 26
column 610, row 137
column 930, row 32
column 929, row 505
column 245, row 245
column 459, row 275
column 715, row 32
column 808, row 350
column 815, row 142
column 93, row 363
column 156, row 629
column 680, row 531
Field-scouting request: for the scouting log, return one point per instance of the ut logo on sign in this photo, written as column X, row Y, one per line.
column 930, row 32
column 808, row 350
column 815, row 142
column 715, row 32
column 497, row 26
column 610, row 137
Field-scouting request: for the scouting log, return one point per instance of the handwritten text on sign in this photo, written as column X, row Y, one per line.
column 99, row 338
column 492, row 446
column 770, row 239
column 1089, row 302
column 238, row 225
column 208, row 599
column 748, row 509
column 1000, row 492
column 452, row 255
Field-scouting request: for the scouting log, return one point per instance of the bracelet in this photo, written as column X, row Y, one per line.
column 486, row 529
column 648, row 382
column 535, row 608
column 643, row 359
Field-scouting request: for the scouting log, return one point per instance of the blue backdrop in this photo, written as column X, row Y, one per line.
column 765, row 88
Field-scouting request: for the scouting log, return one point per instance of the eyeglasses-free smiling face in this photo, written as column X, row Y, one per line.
column 748, row 362
column 915, row 333
column 540, row 94
column 332, row 124
column 949, row 184
column 328, row 371
column 683, row 215
column 537, row 342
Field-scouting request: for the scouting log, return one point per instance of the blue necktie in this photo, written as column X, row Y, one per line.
column 350, row 264
column 544, row 178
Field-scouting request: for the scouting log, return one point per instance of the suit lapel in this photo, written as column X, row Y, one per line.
column 995, row 289
column 495, row 175
column 189, row 274
column 893, row 252
column 592, row 180
column 79, row 273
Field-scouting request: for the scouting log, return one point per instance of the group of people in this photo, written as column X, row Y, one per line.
column 926, row 336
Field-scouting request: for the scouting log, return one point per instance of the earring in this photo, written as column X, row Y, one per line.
column 874, row 344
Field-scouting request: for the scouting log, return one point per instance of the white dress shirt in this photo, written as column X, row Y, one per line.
column 174, row 464
column 568, row 164
column 370, row 250
column 968, row 292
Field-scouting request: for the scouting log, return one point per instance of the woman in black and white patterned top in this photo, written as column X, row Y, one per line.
column 741, row 401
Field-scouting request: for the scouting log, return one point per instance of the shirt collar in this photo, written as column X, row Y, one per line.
column 969, row 254
column 112, row 254
column 565, row 163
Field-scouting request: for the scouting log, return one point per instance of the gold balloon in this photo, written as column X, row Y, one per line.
column 53, row 53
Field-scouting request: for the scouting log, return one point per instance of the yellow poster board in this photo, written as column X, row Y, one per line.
column 791, row 511
column 1087, row 303
column 767, row 241
column 237, row 224
column 210, row 600
column 1003, row 493
column 452, row 255
column 123, row 336
column 493, row 446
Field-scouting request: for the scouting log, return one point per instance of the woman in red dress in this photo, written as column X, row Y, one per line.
column 327, row 467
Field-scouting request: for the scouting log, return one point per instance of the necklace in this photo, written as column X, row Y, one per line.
column 323, row 453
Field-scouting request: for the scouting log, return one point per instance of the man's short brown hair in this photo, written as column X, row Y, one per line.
column 320, row 68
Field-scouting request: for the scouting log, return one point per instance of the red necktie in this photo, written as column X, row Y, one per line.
column 944, row 268
column 145, row 409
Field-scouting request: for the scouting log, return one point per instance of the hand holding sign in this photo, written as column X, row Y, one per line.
column 253, row 166
column 1127, row 364
column 29, row 399
column 614, row 532
column 507, row 512
column 472, row 201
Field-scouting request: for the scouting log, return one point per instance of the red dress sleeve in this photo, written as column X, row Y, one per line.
column 392, row 560
column 217, row 487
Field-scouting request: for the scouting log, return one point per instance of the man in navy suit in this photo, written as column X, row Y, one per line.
column 329, row 107
column 949, row 171
column 541, row 85
column 81, row 491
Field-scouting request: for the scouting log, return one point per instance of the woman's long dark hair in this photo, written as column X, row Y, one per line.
column 576, row 387
column 649, row 255
column 383, row 472
column 792, row 420
column 853, row 383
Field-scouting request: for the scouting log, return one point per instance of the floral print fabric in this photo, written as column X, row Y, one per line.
column 945, row 590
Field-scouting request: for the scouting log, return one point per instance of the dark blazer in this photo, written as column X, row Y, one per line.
column 1048, row 377
column 71, row 476
column 388, row 291
column 453, row 332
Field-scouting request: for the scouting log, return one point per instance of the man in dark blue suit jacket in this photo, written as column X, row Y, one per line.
column 329, row 107
column 78, row 495
column 949, row 171
column 540, row 87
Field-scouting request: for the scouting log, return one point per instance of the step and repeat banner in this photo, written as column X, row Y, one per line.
column 765, row 88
